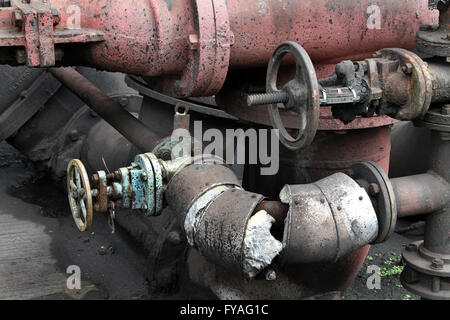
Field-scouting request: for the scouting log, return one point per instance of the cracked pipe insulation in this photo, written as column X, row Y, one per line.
column 326, row 220
column 221, row 219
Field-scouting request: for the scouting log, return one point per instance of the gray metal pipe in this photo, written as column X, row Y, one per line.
column 420, row 194
column 437, row 227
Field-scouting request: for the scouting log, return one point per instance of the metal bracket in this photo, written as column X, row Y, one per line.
column 33, row 27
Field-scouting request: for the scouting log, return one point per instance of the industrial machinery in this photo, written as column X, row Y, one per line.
column 330, row 77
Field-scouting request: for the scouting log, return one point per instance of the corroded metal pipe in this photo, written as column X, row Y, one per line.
column 420, row 194
column 191, row 45
column 437, row 226
column 111, row 111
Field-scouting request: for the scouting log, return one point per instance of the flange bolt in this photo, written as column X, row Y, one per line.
column 437, row 264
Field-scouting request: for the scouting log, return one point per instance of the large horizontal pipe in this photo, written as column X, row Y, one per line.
column 420, row 194
column 152, row 37
column 197, row 42
column 111, row 111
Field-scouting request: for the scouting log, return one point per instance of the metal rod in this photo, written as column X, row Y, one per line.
column 111, row 111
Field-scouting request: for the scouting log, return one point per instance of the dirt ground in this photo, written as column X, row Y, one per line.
column 387, row 256
column 40, row 241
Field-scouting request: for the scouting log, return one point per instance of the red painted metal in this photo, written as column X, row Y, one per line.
column 31, row 28
column 194, row 43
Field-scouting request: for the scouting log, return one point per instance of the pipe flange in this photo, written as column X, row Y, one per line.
column 382, row 194
column 433, row 42
column 142, row 181
column 426, row 261
column 420, row 82
column 208, row 55
column 435, row 119
column 426, row 273
column 157, row 172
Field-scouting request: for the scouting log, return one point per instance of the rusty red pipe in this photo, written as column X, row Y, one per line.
column 199, row 41
column 191, row 45
column 111, row 111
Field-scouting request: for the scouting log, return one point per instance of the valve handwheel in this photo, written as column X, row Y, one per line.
column 302, row 96
column 79, row 194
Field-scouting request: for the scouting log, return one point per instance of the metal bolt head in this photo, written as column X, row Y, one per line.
column 144, row 176
column 437, row 264
column 56, row 18
column 271, row 275
column 374, row 189
column 21, row 56
column 102, row 251
column 18, row 18
column 193, row 41
column 407, row 68
column 166, row 155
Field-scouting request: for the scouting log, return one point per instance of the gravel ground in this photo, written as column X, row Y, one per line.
column 386, row 256
column 36, row 216
column 112, row 264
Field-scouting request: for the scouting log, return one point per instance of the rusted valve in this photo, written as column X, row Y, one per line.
column 139, row 186
column 79, row 194
column 301, row 95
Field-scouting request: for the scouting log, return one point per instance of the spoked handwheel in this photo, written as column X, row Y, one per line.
column 79, row 194
column 302, row 96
